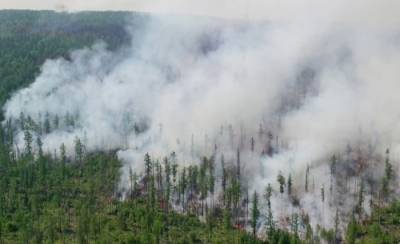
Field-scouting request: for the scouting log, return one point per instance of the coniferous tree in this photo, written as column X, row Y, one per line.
column 28, row 142
column 47, row 126
column 267, row 196
column 174, row 171
column 211, row 177
column 308, row 229
column 192, row 179
column 22, row 121
column 157, row 230
column 63, row 157
column 131, row 183
column 152, row 195
column 148, row 171
column 387, row 178
column 167, row 169
column 8, row 137
column 281, row 181
column 270, row 148
column 159, row 178
column 246, row 202
column 351, row 233
column 203, row 183
column 183, row 186
column 78, row 150
column 255, row 213
column 39, row 144
column 360, row 200
column 289, row 185
column 135, row 183
column 227, row 218
column 223, row 180
column 236, row 195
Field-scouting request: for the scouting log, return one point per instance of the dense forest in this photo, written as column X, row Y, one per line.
column 56, row 198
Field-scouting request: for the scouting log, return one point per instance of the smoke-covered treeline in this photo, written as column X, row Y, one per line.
column 28, row 38
column 45, row 198
column 307, row 108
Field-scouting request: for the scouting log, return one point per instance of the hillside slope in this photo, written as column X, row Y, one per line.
column 28, row 38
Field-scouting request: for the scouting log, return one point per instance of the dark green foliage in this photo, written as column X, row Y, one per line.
column 28, row 142
column 381, row 227
column 223, row 179
column 352, row 231
column 255, row 213
column 270, row 222
column 38, row 204
column 328, row 235
column 282, row 182
column 387, row 178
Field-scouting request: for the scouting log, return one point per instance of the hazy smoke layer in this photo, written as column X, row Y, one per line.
column 371, row 13
column 199, row 86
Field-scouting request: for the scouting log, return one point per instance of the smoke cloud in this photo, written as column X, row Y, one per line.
column 322, row 85
column 371, row 13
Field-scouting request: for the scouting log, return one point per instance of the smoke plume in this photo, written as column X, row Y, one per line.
column 308, row 88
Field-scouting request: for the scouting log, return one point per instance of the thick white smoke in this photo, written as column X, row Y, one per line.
column 185, row 81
